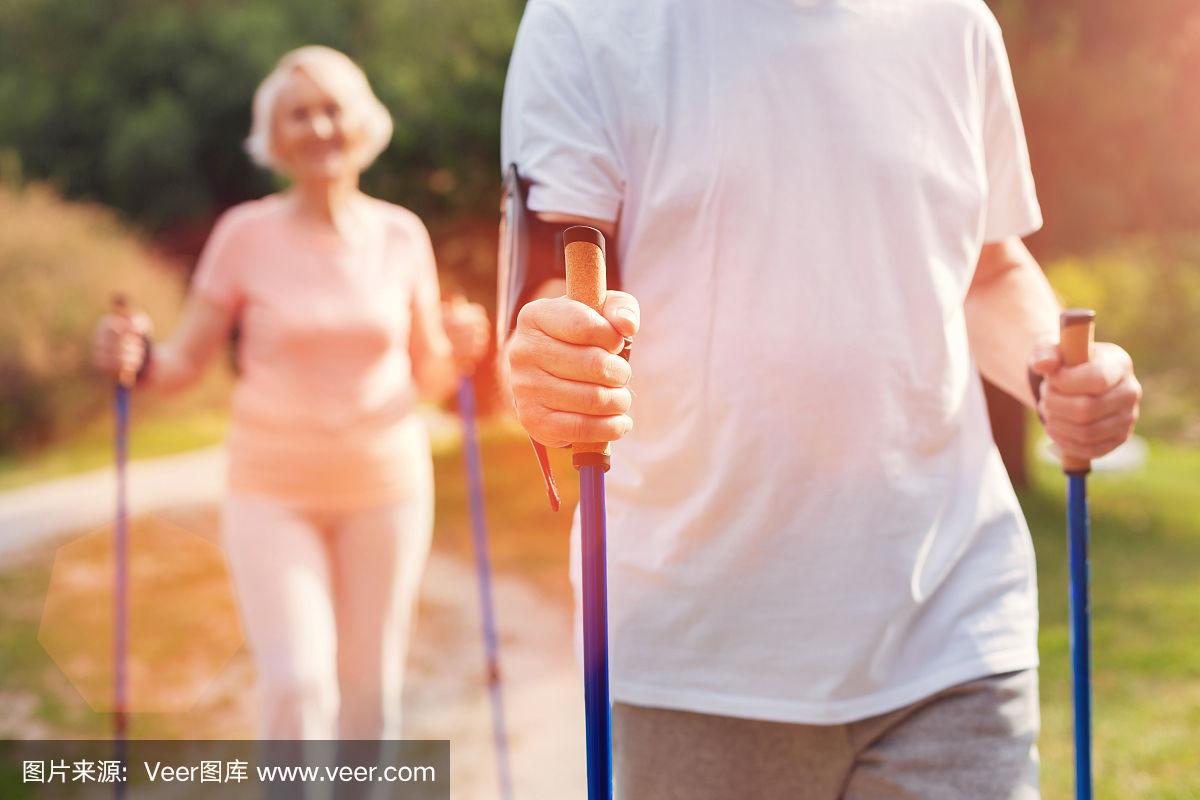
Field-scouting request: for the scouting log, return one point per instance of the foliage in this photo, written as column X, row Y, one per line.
column 143, row 104
column 59, row 263
column 1147, row 297
column 1107, row 91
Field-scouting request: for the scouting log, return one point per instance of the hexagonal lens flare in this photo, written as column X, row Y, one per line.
column 183, row 624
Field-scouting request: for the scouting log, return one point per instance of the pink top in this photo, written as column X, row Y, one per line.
column 322, row 412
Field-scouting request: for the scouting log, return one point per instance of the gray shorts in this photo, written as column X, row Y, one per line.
column 975, row 741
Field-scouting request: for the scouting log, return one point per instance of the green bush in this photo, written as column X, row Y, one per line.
column 144, row 104
column 59, row 265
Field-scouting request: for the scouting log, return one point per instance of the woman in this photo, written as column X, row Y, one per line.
column 328, row 519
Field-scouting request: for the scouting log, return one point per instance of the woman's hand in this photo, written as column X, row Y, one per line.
column 119, row 344
column 468, row 330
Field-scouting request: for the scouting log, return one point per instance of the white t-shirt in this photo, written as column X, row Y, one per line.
column 809, row 522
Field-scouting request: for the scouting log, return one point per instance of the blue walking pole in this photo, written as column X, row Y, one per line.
column 124, row 384
column 1077, row 328
column 491, row 642
column 585, row 265
column 597, row 705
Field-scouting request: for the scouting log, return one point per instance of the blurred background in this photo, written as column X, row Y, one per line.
column 121, row 123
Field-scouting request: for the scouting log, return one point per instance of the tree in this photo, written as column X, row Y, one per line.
column 143, row 104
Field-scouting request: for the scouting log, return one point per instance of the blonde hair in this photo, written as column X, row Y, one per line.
column 338, row 75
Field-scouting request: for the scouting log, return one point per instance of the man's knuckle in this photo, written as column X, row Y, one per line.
column 532, row 314
column 595, row 399
column 1082, row 408
column 537, row 350
column 608, row 400
column 597, row 368
column 545, row 422
column 519, row 349
column 579, row 326
column 623, row 399
column 534, row 419
column 613, row 369
column 575, row 427
column 614, row 428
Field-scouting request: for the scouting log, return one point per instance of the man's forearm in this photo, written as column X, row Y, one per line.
column 1010, row 310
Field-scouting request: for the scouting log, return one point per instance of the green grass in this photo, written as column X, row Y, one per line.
column 159, row 434
column 1146, row 606
column 1145, row 560
column 160, row 425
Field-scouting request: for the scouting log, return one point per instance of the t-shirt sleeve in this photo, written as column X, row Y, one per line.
column 553, row 124
column 218, row 272
column 1012, row 205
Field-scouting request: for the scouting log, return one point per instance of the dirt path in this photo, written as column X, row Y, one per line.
column 33, row 514
column 444, row 695
column 445, row 698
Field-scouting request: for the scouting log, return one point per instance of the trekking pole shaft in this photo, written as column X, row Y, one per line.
column 483, row 567
column 1076, row 333
column 1081, row 668
column 121, row 580
column 597, row 703
column 124, row 384
column 584, row 257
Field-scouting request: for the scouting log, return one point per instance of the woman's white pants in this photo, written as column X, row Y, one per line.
column 328, row 601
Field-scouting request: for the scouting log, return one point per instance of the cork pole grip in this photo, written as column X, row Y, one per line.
column 1077, row 328
column 584, row 257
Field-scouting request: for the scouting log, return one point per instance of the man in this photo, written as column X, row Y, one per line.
column 821, row 584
